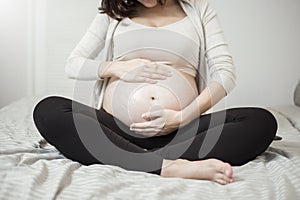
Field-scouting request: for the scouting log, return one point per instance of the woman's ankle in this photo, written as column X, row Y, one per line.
column 172, row 167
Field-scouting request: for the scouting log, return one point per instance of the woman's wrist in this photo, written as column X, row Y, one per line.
column 107, row 69
column 187, row 115
column 182, row 119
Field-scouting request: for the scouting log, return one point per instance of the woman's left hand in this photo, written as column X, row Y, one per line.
column 159, row 122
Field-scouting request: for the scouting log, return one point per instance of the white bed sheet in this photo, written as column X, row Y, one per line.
column 27, row 172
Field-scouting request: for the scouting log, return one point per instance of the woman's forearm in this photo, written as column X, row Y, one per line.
column 211, row 95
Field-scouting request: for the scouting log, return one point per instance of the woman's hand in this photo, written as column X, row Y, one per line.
column 160, row 122
column 139, row 70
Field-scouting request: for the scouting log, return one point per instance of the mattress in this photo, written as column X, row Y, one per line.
column 30, row 172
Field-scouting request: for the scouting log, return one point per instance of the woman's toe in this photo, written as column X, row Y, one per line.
column 221, row 181
column 228, row 170
column 221, row 176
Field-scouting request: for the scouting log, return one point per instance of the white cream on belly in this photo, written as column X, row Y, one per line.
column 128, row 101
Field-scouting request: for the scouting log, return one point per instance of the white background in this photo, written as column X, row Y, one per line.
column 37, row 36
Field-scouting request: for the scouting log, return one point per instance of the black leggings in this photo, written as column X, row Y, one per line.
column 235, row 135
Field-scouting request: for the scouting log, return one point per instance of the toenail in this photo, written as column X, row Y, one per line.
column 227, row 171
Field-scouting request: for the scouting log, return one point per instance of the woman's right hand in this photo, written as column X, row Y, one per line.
column 140, row 70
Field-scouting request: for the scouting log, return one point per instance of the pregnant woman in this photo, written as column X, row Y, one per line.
column 156, row 94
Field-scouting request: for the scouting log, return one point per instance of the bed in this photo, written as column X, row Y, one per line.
column 29, row 170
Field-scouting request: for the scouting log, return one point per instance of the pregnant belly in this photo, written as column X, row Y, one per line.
column 128, row 101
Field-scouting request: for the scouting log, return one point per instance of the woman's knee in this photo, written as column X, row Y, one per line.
column 47, row 112
column 267, row 121
column 259, row 121
column 47, row 106
column 52, row 102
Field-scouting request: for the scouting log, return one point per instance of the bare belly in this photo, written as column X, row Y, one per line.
column 128, row 101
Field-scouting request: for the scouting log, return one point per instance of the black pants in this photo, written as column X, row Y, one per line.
column 235, row 135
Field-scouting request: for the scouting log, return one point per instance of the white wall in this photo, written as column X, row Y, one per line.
column 67, row 21
column 14, row 43
column 264, row 40
column 38, row 35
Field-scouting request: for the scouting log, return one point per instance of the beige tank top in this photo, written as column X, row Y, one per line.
column 176, row 43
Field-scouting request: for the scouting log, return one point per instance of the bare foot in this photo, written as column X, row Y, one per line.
column 210, row 169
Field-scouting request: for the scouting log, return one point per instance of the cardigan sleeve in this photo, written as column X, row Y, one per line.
column 81, row 63
column 219, row 60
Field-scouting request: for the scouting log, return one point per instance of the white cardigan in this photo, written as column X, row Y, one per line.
column 215, row 61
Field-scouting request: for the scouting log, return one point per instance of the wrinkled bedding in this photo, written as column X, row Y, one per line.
column 30, row 172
